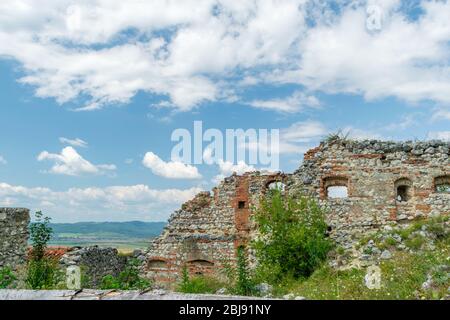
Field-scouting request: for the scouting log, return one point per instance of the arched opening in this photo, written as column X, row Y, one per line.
column 442, row 184
column 335, row 187
column 403, row 190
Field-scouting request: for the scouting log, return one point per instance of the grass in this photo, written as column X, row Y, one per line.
column 401, row 277
column 201, row 284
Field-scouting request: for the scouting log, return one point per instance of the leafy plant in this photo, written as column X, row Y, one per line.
column 40, row 235
column 7, row 278
column 128, row 279
column 293, row 239
column 244, row 283
column 42, row 271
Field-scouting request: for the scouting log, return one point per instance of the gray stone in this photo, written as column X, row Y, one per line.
column 264, row 288
column 386, row 255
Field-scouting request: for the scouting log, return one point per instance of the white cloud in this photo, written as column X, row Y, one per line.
column 294, row 103
column 227, row 168
column 195, row 51
column 69, row 162
column 301, row 136
column 171, row 169
column 406, row 59
column 439, row 135
column 77, row 142
column 135, row 202
column 205, row 39
column 3, row 160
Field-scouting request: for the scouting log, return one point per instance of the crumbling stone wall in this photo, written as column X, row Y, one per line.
column 13, row 236
column 95, row 263
column 386, row 182
column 204, row 234
column 373, row 171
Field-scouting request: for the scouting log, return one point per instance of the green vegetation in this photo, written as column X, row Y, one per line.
column 197, row 284
column 401, row 278
column 293, row 240
column 7, row 278
column 42, row 271
column 128, row 279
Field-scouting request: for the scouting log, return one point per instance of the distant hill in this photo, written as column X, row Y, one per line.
column 129, row 229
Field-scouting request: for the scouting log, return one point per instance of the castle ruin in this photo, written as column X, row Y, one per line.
column 363, row 185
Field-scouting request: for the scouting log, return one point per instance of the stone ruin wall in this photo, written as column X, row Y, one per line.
column 373, row 172
column 206, row 231
column 95, row 263
column 13, row 236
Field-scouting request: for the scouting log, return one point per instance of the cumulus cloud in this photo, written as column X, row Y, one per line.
column 227, row 168
column 77, row 142
column 69, row 162
column 3, row 160
column 406, row 58
column 135, row 202
column 294, row 103
column 195, row 51
column 171, row 169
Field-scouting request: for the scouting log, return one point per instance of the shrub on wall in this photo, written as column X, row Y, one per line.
column 128, row 279
column 292, row 239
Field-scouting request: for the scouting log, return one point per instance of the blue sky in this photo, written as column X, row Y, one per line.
column 88, row 106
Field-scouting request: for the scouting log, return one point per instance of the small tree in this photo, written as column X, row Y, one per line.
column 40, row 235
column 41, row 270
column 292, row 238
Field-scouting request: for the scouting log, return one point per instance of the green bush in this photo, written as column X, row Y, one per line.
column 293, row 239
column 7, row 278
column 42, row 271
column 128, row 279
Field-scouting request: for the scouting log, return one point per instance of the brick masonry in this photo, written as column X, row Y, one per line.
column 205, row 232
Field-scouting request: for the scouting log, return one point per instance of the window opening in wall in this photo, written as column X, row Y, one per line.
column 402, row 193
column 442, row 184
column 335, row 187
column 403, row 190
column 337, row 192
